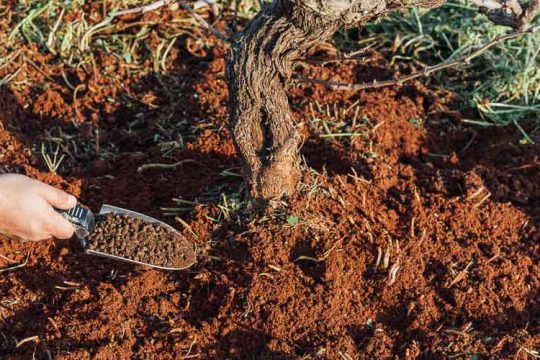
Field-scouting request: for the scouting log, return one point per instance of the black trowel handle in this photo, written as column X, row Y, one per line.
column 81, row 218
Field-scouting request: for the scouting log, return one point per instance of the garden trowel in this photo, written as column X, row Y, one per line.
column 84, row 222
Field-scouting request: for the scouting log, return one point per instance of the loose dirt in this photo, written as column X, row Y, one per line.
column 141, row 241
column 416, row 239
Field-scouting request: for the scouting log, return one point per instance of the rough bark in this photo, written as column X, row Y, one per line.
column 259, row 65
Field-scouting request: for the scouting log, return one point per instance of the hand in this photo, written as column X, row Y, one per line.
column 26, row 209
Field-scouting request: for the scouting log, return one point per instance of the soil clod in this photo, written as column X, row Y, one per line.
column 139, row 240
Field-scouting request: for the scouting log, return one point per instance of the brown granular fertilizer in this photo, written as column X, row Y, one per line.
column 142, row 241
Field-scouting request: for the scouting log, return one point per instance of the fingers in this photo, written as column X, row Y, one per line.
column 56, row 197
column 59, row 227
column 36, row 230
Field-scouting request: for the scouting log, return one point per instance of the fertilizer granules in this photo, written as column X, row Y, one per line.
column 142, row 241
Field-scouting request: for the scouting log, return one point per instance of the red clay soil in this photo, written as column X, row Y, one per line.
column 417, row 239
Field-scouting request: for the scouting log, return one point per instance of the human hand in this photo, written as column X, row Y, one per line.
column 26, row 209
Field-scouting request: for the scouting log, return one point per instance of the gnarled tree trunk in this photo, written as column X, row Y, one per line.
column 259, row 65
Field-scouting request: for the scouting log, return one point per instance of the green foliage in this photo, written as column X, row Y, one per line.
column 293, row 220
column 70, row 31
column 503, row 84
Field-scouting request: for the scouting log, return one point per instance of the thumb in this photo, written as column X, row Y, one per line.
column 56, row 197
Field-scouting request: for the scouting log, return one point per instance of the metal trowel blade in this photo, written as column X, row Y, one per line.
column 109, row 209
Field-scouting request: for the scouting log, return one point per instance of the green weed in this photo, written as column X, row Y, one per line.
column 503, row 84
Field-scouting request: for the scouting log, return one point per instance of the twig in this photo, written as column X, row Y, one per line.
column 16, row 266
column 512, row 13
column 482, row 200
column 155, row 6
column 143, row 9
column 188, row 354
column 187, row 226
column 7, row 259
column 38, row 69
column 488, row 4
column 8, row 60
column 393, row 273
column 494, row 257
column 461, row 275
column 350, row 56
column 159, row 4
column 515, row 7
column 334, row 85
column 145, row 167
column 34, row 338
column 235, row 18
column 476, row 193
column 203, row 22
column 320, row 259
column 327, row 61
column 379, row 257
column 530, row 13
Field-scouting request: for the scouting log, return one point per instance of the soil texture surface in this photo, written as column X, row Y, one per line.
column 416, row 238
column 138, row 240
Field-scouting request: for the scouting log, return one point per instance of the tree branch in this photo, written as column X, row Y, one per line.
column 159, row 4
column 203, row 22
column 142, row 9
column 530, row 12
column 512, row 13
column 334, row 85
column 235, row 18
column 488, row 4
column 350, row 56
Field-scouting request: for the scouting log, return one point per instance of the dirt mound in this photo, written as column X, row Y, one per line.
column 411, row 237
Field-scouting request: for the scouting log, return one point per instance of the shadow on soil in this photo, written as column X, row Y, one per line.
column 116, row 180
column 333, row 158
column 510, row 172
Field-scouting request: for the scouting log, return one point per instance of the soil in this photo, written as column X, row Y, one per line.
column 418, row 238
column 138, row 240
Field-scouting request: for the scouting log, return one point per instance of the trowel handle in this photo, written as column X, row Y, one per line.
column 81, row 218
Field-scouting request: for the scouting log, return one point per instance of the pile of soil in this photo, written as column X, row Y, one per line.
column 417, row 238
column 141, row 241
